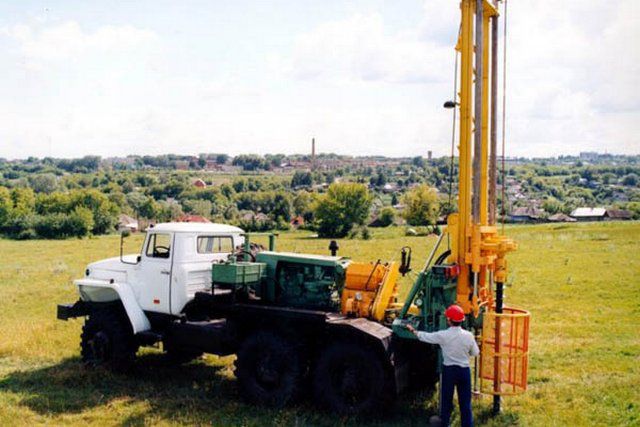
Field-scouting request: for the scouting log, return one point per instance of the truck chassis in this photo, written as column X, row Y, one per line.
column 353, row 365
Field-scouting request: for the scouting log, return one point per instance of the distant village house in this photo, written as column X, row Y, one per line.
column 297, row 221
column 560, row 217
column 526, row 214
column 601, row 214
column 125, row 222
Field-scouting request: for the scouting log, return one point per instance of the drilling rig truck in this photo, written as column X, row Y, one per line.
column 298, row 321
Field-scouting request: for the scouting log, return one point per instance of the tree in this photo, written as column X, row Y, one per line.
column 386, row 216
column 608, row 178
column 6, row 206
column 274, row 160
column 634, row 207
column 202, row 160
column 20, row 225
column 43, row 183
column 421, row 206
column 143, row 206
column 250, row 162
column 552, row 205
column 23, row 200
column 104, row 212
column 381, row 180
column 149, row 209
column 79, row 223
column 51, row 226
column 301, row 178
column 53, row 203
column 199, row 207
column 168, row 211
column 630, row 180
column 281, row 210
column 301, row 203
column 343, row 206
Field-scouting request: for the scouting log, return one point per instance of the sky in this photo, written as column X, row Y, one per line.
column 363, row 77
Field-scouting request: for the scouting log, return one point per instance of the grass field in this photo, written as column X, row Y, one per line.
column 581, row 283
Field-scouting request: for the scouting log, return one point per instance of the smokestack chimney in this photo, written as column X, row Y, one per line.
column 429, row 154
column 313, row 153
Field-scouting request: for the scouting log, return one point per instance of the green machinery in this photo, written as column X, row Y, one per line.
column 286, row 279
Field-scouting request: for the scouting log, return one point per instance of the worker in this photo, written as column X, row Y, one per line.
column 457, row 345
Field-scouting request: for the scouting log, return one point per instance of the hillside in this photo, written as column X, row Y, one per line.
column 580, row 282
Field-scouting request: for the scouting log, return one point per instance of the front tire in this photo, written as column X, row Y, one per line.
column 268, row 369
column 349, row 379
column 107, row 340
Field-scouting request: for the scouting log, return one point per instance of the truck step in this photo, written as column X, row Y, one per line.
column 211, row 336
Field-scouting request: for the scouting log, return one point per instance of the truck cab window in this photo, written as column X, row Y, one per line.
column 159, row 246
column 215, row 244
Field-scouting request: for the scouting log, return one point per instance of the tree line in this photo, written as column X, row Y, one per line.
column 57, row 198
column 81, row 212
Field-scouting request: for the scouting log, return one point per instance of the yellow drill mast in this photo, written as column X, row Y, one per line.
column 477, row 247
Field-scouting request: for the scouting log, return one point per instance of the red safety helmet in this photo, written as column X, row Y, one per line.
column 454, row 313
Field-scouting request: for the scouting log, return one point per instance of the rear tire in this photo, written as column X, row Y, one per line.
column 349, row 379
column 107, row 340
column 268, row 369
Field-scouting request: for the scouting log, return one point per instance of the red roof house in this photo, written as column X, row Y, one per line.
column 199, row 183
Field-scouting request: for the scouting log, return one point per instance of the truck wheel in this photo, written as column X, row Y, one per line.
column 349, row 379
column 107, row 340
column 268, row 370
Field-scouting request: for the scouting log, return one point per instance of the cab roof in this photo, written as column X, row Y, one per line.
column 194, row 227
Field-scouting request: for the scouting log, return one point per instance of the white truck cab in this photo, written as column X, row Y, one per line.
column 174, row 263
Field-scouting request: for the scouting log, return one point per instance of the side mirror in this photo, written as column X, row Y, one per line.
column 124, row 234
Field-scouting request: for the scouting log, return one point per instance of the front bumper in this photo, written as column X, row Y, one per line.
column 69, row 311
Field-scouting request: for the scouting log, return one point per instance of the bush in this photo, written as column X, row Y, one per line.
column 52, row 226
column 365, row 233
column 256, row 225
column 630, row 180
column 21, row 227
column 79, row 223
column 386, row 216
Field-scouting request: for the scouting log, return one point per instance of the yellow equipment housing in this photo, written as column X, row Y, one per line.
column 370, row 289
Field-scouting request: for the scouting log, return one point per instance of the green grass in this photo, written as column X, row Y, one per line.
column 580, row 281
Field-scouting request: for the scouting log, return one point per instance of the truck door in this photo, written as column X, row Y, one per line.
column 155, row 273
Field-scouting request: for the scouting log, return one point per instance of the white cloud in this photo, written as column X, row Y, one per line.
column 67, row 39
column 361, row 48
column 361, row 83
column 571, row 67
column 573, row 77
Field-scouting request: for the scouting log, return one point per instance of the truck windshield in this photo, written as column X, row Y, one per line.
column 159, row 246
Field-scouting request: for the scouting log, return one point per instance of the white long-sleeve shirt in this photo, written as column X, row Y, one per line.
column 457, row 344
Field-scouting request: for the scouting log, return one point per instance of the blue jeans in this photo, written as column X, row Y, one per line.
column 460, row 378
